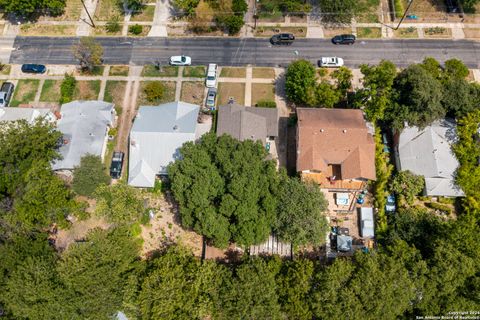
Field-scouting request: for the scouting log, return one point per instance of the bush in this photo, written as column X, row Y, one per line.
column 113, row 25
column 136, row 29
column 439, row 206
column 67, row 88
column 239, row 7
column 154, row 91
column 266, row 104
column 446, row 200
column 233, row 24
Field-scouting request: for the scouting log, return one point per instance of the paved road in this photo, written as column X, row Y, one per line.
column 255, row 51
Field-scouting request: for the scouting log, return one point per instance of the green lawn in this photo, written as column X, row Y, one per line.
column 97, row 71
column 194, row 72
column 24, row 92
column 87, row 90
column 369, row 32
column 51, row 91
column 168, row 96
column 145, row 15
column 167, row 71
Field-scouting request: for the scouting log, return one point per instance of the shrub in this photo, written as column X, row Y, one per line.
column 446, row 200
column 67, row 88
column 89, row 175
column 136, row 29
column 399, row 10
column 233, row 24
column 439, row 206
column 239, row 7
column 266, row 104
column 154, row 91
column 113, row 25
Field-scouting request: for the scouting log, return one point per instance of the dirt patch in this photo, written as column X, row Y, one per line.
column 231, row 89
column 299, row 32
column 410, row 32
column 427, row 10
column 78, row 231
column 145, row 15
column 472, row 33
column 194, row 72
column 437, row 32
column 87, row 90
column 262, row 91
column 102, row 31
column 47, row 30
column 227, row 72
column 192, row 92
column 115, row 92
column 106, row 9
column 51, row 91
column 165, row 71
column 165, row 229
column 72, row 11
column 265, row 73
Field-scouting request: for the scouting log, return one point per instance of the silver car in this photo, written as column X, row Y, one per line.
column 211, row 95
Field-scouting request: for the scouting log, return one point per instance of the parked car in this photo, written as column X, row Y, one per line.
column 6, row 92
column 344, row 39
column 211, row 81
column 180, row 60
column 452, row 6
column 390, row 205
column 211, row 95
column 116, row 165
column 282, row 38
column 33, row 68
column 330, row 62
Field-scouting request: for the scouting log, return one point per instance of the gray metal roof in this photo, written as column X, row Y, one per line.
column 428, row 152
column 156, row 136
column 247, row 122
column 84, row 125
column 28, row 114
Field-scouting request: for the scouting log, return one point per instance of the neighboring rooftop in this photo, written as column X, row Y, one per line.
column 84, row 125
column 341, row 137
column 245, row 123
column 428, row 152
column 28, row 114
column 156, row 136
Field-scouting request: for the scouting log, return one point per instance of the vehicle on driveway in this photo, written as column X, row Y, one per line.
column 211, row 95
column 116, row 166
column 33, row 68
column 282, row 38
column 6, row 92
column 390, row 205
column 344, row 39
column 211, row 81
column 330, row 62
column 180, row 60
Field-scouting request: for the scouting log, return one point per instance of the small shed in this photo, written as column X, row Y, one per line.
column 344, row 243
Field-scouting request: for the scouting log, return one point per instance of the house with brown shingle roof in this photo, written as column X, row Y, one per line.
column 335, row 148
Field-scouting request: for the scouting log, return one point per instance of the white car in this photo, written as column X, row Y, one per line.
column 330, row 62
column 180, row 60
column 211, row 81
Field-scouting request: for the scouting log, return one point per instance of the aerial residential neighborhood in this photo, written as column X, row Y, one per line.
column 239, row 159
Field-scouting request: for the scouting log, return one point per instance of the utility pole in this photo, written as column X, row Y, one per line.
column 88, row 14
column 404, row 15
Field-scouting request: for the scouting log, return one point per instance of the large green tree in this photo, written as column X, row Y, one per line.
column 301, row 213
column 407, row 185
column 225, row 189
column 300, row 83
column 418, row 98
column 33, row 8
column 119, row 203
column 89, row 175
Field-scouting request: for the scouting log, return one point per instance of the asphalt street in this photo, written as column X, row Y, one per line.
column 244, row 51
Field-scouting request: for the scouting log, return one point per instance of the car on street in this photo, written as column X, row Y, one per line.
column 344, row 39
column 211, row 80
column 282, row 38
column 390, row 205
column 211, row 95
column 116, row 165
column 6, row 92
column 330, row 62
column 180, row 60
column 33, row 68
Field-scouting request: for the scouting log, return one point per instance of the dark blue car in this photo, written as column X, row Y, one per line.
column 33, row 68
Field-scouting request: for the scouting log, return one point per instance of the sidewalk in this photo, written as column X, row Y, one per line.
column 160, row 19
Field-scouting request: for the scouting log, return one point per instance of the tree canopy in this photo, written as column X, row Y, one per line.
column 33, row 8
column 119, row 203
column 89, row 53
column 300, row 82
column 225, row 189
column 89, row 175
column 407, row 185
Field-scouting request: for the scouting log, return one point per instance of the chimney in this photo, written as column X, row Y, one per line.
column 175, row 128
column 58, row 115
column 344, row 130
column 321, row 130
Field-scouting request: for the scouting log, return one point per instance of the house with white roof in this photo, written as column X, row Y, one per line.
column 428, row 152
column 29, row 114
column 156, row 137
column 84, row 125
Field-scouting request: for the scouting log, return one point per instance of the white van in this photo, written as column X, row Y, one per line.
column 211, row 81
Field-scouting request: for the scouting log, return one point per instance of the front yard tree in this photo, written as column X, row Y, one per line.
column 327, row 96
column 407, row 185
column 88, row 52
column 301, row 213
column 455, row 68
column 89, row 175
column 225, row 189
column 300, row 83
column 31, row 8
column 343, row 77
